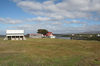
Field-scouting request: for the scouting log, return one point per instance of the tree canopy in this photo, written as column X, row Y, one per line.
column 42, row 31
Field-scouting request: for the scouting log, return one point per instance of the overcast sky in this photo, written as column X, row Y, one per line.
column 57, row 16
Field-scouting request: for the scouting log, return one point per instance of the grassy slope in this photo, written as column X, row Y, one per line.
column 49, row 52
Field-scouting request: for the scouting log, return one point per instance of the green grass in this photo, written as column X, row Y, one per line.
column 49, row 52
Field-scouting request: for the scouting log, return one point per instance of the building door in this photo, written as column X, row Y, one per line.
column 9, row 37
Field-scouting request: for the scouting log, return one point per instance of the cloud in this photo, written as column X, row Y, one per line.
column 64, row 9
column 75, row 22
column 38, row 19
column 59, row 28
column 42, row 19
column 52, row 15
column 35, row 19
column 10, row 21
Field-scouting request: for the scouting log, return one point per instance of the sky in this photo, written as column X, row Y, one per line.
column 57, row 16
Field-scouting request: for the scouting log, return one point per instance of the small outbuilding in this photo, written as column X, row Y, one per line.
column 35, row 35
column 50, row 35
column 15, row 35
column 98, row 35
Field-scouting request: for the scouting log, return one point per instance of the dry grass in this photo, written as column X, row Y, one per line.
column 49, row 52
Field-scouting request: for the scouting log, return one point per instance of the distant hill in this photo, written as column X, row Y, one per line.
column 88, row 32
column 2, row 35
column 58, row 35
column 91, row 32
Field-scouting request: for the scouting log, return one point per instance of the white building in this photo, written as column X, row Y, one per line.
column 98, row 35
column 15, row 35
column 50, row 35
column 35, row 35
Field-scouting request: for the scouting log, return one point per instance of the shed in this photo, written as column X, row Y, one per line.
column 35, row 35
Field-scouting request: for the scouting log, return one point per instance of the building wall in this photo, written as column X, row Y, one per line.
column 14, row 31
column 35, row 35
column 15, row 38
column 15, row 35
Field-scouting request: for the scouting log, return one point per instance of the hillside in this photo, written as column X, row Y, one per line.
column 49, row 52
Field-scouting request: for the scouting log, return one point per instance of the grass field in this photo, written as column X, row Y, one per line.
column 49, row 52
